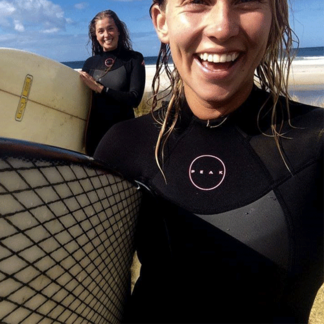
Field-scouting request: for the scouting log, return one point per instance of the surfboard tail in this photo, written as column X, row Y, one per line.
column 67, row 229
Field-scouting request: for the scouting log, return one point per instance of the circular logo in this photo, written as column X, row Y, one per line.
column 207, row 172
column 109, row 62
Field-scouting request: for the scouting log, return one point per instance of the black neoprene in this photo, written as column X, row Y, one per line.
column 124, row 86
column 235, row 235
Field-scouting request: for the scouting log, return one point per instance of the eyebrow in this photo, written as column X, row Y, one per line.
column 109, row 26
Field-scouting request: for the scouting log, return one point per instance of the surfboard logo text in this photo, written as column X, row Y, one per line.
column 24, row 97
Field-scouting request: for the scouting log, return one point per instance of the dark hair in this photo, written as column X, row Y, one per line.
column 124, row 41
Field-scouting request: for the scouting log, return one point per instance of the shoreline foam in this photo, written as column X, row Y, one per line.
column 306, row 80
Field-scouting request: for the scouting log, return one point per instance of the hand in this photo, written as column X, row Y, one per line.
column 91, row 82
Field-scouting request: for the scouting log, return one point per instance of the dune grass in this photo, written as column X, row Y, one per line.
column 145, row 105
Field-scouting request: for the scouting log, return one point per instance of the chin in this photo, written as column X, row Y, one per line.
column 216, row 96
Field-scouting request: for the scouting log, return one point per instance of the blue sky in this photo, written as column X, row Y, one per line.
column 58, row 29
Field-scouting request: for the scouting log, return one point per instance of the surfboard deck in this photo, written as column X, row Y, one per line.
column 42, row 100
column 67, row 229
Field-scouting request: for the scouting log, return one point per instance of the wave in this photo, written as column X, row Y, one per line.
column 309, row 58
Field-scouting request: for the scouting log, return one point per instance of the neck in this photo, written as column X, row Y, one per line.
column 216, row 108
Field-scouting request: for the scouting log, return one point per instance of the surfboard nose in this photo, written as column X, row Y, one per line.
column 42, row 100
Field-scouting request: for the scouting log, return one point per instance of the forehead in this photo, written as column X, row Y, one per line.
column 105, row 22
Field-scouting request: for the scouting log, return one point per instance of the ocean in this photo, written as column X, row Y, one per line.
column 149, row 60
column 305, row 53
column 312, row 94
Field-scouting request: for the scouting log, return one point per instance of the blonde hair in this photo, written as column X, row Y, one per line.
column 272, row 74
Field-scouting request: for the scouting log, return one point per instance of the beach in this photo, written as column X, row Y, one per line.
column 306, row 80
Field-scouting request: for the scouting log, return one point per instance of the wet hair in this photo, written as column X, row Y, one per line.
column 271, row 75
column 124, row 41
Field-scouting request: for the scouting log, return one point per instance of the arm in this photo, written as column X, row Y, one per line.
column 88, row 79
column 91, row 82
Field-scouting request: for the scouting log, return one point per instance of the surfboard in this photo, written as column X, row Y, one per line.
column 67, row 227
column 42, row 101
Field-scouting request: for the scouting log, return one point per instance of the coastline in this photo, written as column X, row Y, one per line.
column 306, row 80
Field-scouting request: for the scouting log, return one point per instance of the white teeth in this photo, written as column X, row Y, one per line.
column 217, row 58
column 225, row 58
column 235, row 56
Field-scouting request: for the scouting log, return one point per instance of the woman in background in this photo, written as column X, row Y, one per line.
column 115, row 73
column 231, row 225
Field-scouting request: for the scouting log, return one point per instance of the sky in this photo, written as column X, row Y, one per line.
column 58, row 29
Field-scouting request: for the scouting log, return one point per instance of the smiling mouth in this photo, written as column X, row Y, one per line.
column 212, row 61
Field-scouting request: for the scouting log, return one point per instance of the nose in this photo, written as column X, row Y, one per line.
column 221, row 22
column 106, row 33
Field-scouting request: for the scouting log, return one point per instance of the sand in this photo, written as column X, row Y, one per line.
column 307, row 72
column 306, row 80
column 303, row 72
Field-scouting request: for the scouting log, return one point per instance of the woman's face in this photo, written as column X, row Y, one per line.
column 216, row 46
column 107, row 34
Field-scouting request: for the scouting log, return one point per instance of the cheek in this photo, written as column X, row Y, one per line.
column 182, row 32
column 258, row 28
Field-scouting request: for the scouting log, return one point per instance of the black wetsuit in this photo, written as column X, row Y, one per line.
column 233, row 236
column 124, row 86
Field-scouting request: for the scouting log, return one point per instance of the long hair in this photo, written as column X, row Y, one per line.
column 124, row 41
column 272, row 75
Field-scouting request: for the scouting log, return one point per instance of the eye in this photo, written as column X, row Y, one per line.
column 195, row 5
column 195, row 2
column 245, row 1
column 250, row 4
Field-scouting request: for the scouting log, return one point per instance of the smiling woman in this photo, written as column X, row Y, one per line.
column 210, row 76
column 231, row 224
column 115, row 73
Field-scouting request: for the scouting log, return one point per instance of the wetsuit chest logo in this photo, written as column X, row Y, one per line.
column 207, row 172
column 109, row 62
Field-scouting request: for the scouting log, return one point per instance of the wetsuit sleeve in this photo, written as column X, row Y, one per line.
column 132, row 97
column 86, row 66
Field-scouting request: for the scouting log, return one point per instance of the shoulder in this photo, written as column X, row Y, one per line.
column 92, row 58
column 306, row 116
column 128, row 147
column 140, row 125
column 304, row 137
column 130, row 55
column 91, row 61
column 135, row 55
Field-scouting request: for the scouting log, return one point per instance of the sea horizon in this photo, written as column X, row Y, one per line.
column 303, row 53
column 309, row 94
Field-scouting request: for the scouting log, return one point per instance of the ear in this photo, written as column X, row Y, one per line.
column 160, row 24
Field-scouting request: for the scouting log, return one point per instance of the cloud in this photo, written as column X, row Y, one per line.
column 81, row 5
column 25, row 15
column 6, row 8
column 50, row 31
column 19, row 26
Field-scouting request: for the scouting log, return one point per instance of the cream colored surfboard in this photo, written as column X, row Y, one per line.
column 67, row 230
column 42, row 100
